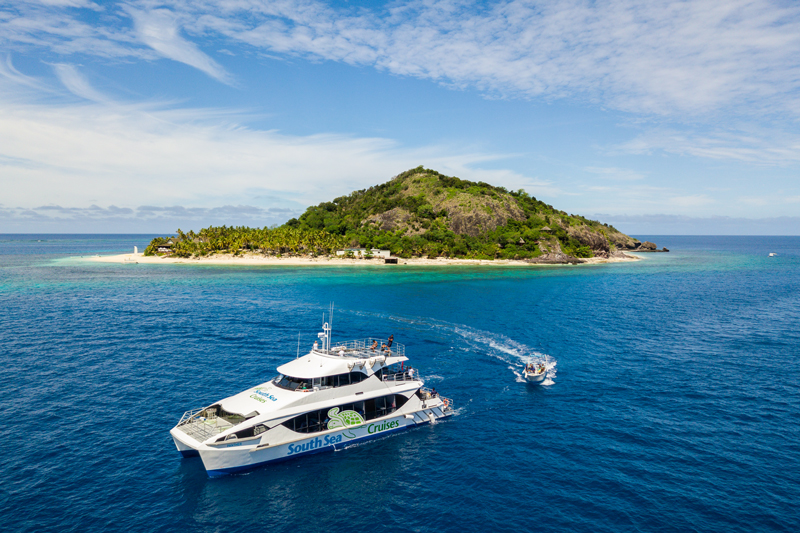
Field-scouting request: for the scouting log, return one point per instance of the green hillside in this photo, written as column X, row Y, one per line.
column 424, row 213
column 419, row 213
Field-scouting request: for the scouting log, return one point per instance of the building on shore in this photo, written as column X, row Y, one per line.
column 363, row 252
column 165, row 248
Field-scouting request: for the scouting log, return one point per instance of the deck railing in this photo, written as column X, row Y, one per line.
column 406, row 375
column 363, row 348
column 201, row 428
column 428, row 394
column 188, row 415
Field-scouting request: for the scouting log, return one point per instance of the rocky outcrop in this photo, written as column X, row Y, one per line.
column 470, row 215
column 594, row 240
column 390, row 220
column 553, row 255
column 555, row 259
column 648, row 246
column 474, row 223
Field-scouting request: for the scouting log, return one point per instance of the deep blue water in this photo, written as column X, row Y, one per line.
column 675, row 406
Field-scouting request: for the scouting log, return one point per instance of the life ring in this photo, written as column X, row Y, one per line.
column 446, row 402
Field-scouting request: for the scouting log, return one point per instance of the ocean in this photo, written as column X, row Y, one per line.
column 673, row 403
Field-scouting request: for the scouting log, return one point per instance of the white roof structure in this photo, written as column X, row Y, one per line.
column 317, row 365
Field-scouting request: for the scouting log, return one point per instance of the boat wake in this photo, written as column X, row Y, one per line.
column 495, row 345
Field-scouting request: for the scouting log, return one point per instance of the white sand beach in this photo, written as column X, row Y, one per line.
column 259, row 259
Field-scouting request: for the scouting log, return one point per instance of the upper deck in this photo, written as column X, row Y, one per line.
column 366, row 355
column 364, row 349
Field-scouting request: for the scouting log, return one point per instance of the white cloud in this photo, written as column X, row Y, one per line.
column 76, row 83
column 669, row 58
column 71, row 3
column 774, row 146
column 635, row 55
column 159, row 29
column 55, row 218
column 101, row 151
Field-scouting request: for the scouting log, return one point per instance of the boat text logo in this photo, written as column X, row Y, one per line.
column 262, row 396
column 341, row 420
column 345, row 419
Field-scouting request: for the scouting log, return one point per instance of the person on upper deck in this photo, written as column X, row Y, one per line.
column 374, row 345
column 390, row 341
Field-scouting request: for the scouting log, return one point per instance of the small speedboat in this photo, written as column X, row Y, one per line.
column 772, row 254
column 534, row 373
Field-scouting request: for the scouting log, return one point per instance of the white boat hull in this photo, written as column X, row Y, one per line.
column 234, row 456
column 535, row 379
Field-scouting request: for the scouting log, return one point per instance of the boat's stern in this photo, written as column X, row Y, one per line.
column 189, row 432
column 187, row 446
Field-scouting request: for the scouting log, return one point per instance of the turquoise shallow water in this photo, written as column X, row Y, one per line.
column 675, row 402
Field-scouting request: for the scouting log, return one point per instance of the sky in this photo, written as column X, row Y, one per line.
column 674, row 117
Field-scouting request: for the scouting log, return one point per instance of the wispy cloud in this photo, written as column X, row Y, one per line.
column 634, row 55
column 98, row 152
column 54, row 218
column 773, row 147
column 70, row 3
column 76, row 83
column 159, row 29
column 662, row 58
column 8, row 71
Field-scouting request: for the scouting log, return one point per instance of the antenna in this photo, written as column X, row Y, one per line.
column 330, row 331
column 298, row 345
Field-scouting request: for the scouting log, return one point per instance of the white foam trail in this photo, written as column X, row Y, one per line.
column 501, row 347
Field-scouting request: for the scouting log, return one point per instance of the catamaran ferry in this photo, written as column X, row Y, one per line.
column 335, row 395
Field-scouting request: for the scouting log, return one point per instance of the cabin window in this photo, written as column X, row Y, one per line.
column 338, row 380
column 246, row 433
column 316, row 421
column 290, row 383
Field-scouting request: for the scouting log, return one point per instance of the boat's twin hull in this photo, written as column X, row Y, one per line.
column 236, row 457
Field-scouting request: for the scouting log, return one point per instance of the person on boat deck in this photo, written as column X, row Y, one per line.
column 383, row 347
column 390, row 341
column 374, row 345
column 434, row 394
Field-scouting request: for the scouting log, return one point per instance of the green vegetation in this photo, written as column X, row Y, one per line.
column 418, row 213
column 270, row 241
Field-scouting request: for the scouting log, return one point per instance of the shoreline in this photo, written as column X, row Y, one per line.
column 261, row 260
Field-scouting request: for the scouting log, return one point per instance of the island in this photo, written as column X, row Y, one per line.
column 418, row 217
